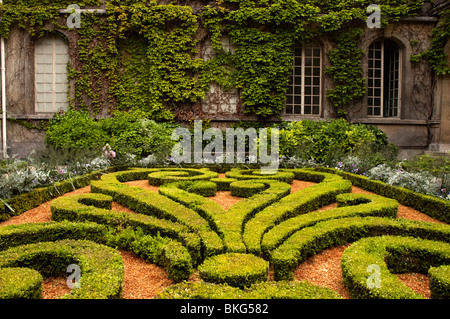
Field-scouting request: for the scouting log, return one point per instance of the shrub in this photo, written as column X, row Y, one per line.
column 20, row 283
column 151, row 203
column 126, row 133
column 262, row 290
column 101, row 267
column 399, row 254
column 76, row 208
column 430, row 205
column 439, row 282
column 323, row 140
column 311, row 240
column 234, row 269
column 350, row 205
column 169, row 254
column 246, row 188
column 75, row 130
column 16, row 235
column 294, row 204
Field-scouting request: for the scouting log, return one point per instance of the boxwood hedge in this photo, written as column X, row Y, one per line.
column 298, row 203
column 20, row 283
column 392, row 254
column 263, row 290
column 234, row 269
column 311, row 240
column 101, row 267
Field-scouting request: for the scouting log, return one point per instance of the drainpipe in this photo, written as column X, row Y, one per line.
column 3, row 92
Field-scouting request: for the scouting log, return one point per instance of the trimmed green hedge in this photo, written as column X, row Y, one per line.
column 159, row 177
column 264, row 290
column 16, row 235
column 349, row 205
column 432, row 206
column 77, row 208
column 311, row 240
column 246, row 188
column 223, row 184
column 38, row 196
column 151, row 203
column 229, row 224
column 171, row 255
column 241, row 174
column 20, row 283
column 305, row 201
column 439, row 282
column 391, row 253
column 101, row 267
column 234, row 269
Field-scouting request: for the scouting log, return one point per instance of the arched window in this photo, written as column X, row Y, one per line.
column 383, row 86
column 304, row 92
column 51, row 84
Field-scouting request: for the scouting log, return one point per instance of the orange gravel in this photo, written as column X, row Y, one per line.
column 144, row 280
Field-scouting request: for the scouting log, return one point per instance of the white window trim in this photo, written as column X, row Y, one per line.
column 400, row 76
column 54, row 110
column 303, row 115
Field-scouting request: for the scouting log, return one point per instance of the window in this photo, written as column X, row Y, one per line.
column 51, row 75
column 304, row 92
column 383, row 97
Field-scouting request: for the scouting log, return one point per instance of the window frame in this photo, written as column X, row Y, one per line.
column 55, row 65
column 372, row 69
column 313, row 45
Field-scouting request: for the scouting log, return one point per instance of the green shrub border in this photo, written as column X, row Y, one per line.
column 38, row 196
column 20, row 283
column 349, row 205
column 396, row 254
column 262, row 291
column 234, row 269
column 310, row 241
column 77, row 208
column 102, row 272
column 294, row 204
column 16, row 235
column 432, row 206
column 151, row 203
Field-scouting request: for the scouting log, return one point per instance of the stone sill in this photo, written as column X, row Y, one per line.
column 30, row 116
column 390, row 121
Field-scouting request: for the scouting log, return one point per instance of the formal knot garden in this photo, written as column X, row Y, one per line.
column 239, row 234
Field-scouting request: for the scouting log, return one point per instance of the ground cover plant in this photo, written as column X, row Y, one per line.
column 175, row 223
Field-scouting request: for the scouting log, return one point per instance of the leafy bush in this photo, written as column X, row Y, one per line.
column 20, row 283
column 325, row 140
column 263, row 290
column 421, row 182
column 311, row 240
column 75, row 130
column 125, row 132
column 237, row 270
column 102, row 271
column 391, row 254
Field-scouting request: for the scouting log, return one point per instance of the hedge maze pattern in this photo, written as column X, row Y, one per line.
column 181, row 229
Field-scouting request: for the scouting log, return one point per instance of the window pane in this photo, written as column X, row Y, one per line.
column 51, row 58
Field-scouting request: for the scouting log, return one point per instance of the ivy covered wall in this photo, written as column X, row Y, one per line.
column 145, row 55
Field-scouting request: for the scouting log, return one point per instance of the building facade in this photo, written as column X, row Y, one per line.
column 405, row 99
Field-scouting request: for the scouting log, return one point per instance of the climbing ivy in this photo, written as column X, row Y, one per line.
column 143, row 55
column 436, row 54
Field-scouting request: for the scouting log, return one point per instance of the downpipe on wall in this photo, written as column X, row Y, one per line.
column 3, row 93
